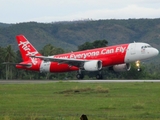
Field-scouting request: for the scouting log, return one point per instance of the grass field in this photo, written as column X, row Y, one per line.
column 68, row 101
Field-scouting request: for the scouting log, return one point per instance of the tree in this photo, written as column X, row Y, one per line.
column 92, row 45
column 1, row 61
column 50, row 50
column 9, row 57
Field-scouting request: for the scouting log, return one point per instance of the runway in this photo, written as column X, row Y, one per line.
column 81, row 81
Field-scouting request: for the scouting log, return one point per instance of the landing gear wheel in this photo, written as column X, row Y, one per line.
column 80, row 76
column 139, row 69
column 99, row 76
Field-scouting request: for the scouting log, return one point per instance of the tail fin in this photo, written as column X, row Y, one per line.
column 26, row 48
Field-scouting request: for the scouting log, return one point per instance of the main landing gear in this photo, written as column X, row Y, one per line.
column 99, row 75
column 80, row 75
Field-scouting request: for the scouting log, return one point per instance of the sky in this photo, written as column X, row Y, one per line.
column 46, row 11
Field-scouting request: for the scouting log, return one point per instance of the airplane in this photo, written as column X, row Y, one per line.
column 117, row 57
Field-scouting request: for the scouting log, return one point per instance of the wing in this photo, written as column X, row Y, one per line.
column 70, row 61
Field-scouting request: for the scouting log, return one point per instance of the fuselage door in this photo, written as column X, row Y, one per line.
column 45, row 66
column 133, row 48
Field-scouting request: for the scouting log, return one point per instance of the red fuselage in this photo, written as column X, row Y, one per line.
column 108, row 55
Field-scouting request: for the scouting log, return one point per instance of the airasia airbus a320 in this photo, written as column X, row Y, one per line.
column 117, row 57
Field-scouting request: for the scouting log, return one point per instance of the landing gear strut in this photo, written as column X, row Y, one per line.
column 99, row 75
column 80, row 75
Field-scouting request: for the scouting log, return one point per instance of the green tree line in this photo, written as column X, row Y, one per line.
column 71, row 34
column 8, row 71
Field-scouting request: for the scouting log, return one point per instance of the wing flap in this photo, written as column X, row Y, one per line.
column 70, row 61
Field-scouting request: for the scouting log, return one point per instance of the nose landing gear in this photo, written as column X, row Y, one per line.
column 138, row 66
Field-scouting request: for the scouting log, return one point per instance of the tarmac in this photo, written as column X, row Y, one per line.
column 81, row 81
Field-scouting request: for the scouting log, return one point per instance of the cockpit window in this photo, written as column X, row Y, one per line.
column 146, row 46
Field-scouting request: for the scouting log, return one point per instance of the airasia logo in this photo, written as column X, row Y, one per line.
column 27, row 47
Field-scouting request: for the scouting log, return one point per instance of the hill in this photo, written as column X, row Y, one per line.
column 68, row 35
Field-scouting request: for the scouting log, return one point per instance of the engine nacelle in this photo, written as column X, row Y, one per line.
column 122, row 67
column 93, row 65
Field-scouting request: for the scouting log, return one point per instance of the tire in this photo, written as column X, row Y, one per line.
column 99, row 76
column 80, row 76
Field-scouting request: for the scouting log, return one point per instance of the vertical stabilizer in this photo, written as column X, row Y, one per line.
column 26, row 48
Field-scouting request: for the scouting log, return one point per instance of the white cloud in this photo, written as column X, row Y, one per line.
column 12, row 11
column 131, row 11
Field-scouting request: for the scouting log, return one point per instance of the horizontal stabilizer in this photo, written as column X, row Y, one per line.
column 9, row 63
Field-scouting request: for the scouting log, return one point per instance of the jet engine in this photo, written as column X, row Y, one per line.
column 93, row 65
column 122, row 67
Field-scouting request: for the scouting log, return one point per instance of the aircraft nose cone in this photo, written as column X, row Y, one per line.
column 156, row 52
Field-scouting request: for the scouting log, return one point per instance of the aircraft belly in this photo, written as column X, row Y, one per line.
column 56, row 67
